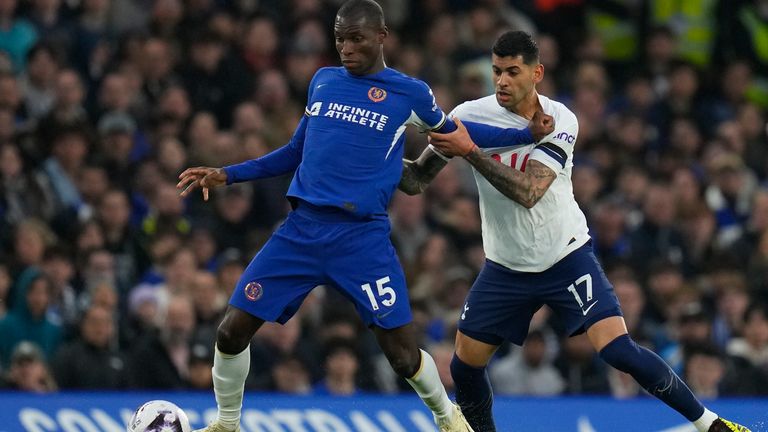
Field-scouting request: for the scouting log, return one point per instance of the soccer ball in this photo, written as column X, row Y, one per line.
column 159, row 416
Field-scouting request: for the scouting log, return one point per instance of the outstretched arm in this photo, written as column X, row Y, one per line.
column 281, row 161
column 525, row 188
column 417, row 174
column 486, row 136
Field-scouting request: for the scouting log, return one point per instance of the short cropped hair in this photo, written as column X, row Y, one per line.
column 369, row 10
column 517, row 43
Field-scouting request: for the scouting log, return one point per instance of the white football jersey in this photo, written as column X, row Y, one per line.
column 529, row 240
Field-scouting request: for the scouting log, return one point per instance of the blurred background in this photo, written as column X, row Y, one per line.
column 109, row 280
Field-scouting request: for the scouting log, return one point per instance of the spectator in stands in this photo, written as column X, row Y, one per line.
column 23, row 194
column 581, row 368
column 28, row 370
column 290, row 375
column 68, row 151
column 38, row 83
column 162, row 361
column 272, row 342
column 704, row 371
column 60, row 269
column 657, row 237
column 156, row 65
column 201, row 366
column 753, row 346
column 341, row 366
column 209, row 304
column 692, row 328
column 215, row 82
column 67, row 107
column 732, row 301
column 27, row 320
column 91, row 361
column 18, row 34
column 528, row 371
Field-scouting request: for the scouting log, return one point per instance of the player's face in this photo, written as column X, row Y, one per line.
column 359, row 44
column 514, row 79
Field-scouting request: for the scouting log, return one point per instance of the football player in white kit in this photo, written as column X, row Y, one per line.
column 536, row 242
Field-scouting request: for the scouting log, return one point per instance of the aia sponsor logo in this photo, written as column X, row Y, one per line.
column 376, row 94
column 565, row 136
column 253, row 291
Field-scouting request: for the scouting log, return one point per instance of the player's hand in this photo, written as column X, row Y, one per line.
column 456, row 143
column 541, row 125
column 201, row 177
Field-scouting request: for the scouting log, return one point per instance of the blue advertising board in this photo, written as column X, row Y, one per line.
column 109, row 412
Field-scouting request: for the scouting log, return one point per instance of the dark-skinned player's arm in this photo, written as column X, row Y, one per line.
column 417, row 174
column 525, row 188
column 281, row 161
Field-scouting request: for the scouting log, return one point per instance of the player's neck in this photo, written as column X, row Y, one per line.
column 528, row 106
column 377, row 67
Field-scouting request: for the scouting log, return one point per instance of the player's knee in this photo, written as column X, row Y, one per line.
column 229, row 340
column 620, row 353
column 405, row 364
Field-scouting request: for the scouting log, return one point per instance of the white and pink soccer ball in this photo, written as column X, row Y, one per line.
column 159, row 416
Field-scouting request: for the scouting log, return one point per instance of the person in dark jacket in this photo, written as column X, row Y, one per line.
column 91, row 360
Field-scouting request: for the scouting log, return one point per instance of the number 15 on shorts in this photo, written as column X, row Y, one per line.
column 386, row 294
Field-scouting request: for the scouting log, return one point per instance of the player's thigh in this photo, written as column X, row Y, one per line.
column 578, row 291
column 280, row 276
column 362, row 263
column 499, row 306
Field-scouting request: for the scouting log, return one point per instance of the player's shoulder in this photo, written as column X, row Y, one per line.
column 558, row 110
column 328, row 71
column 406, row 81
column 482, row 107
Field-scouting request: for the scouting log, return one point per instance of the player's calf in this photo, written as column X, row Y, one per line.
column 656, row 377
column 474, row 394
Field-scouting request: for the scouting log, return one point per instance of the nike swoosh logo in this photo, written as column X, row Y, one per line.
column 585, row 312
column 382, row 315
column 319, row 85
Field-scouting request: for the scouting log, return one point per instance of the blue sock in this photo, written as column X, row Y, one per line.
column 653, row 374
column 474, row 395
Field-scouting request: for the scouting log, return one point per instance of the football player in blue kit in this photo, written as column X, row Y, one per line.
column 537, row 245
column 347, row 153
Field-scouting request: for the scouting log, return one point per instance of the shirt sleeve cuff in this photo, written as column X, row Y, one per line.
column 437, row 152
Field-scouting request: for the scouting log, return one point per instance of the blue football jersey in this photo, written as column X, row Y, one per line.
column 347, row 150
column 353, row 144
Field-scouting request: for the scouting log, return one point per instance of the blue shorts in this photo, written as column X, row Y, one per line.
column 502, row 302
column 326, row 246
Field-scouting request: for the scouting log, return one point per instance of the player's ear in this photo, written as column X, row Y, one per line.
column 538, row 73
column 383, row 33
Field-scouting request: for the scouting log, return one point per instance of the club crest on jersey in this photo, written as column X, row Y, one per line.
column 253, row 291
column 376, row 94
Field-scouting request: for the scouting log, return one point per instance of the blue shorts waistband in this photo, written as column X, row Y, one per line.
column 328, row 213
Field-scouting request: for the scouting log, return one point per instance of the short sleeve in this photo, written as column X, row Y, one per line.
column 427, row 115
column 556, row 149
column 311, row 92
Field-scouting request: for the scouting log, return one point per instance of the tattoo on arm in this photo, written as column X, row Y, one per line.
column 418, row 173
column 525, row 188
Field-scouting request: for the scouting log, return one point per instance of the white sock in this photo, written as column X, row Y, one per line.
column 427, row 384
column 229, row 373
column 705, row 421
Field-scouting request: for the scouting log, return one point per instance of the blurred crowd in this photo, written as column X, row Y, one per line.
column 109, row 280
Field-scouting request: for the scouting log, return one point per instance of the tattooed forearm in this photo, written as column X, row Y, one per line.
column 525, row 188
column 417, row 174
